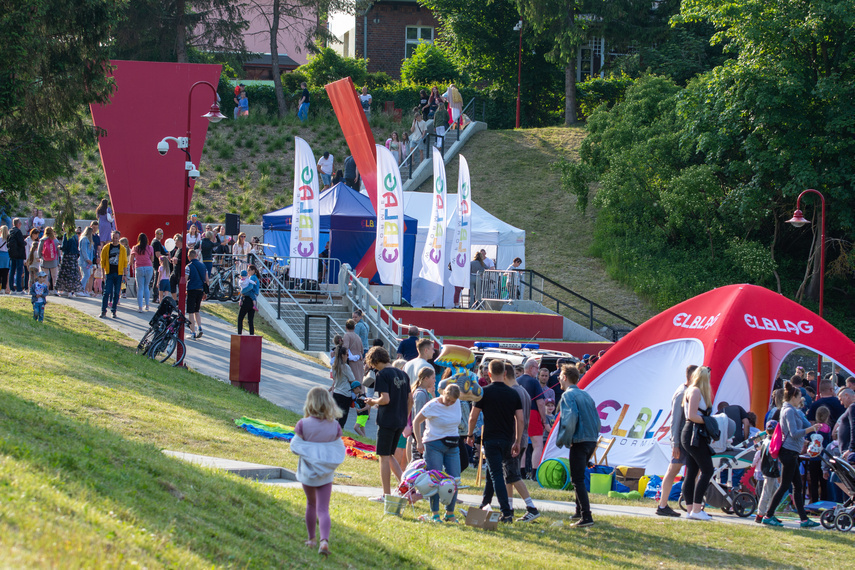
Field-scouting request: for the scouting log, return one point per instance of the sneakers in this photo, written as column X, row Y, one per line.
column 450, row 518
column 584, row 522
column 507, row 519
column 666, row 511
column 198, row 334
column 103, row 315
column 758, row 519
column 115, row 316
column 532, row 514
column 699, row 516
column 772, row 521
column 808, row 524
column 376, row 499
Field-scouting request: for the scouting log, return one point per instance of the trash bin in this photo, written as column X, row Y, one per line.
column 245, row 362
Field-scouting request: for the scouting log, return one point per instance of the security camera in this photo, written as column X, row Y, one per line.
column 194, row 174
column 162, row 147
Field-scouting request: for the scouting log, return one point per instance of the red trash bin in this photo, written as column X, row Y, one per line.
column 245, row 362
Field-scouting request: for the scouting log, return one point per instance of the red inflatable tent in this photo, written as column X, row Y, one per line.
column 742, row 332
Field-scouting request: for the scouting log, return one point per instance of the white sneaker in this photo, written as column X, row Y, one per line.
column 83, row 294
column 700, row 516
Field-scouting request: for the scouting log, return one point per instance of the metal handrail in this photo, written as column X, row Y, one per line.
column 376, row 312
column 529, row 283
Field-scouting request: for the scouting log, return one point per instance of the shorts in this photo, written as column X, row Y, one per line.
column 511, row 468
column 362, row 420
column 163, row 286
column 535, row 423
column 402, row 442
column 681, row 458
column 194, row 300
column 387, row 440
column 326, row 178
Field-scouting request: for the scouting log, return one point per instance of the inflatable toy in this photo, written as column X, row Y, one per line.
column 460, row 360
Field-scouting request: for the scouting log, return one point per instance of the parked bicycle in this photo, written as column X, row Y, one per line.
column 221, row 285
column 161, row 340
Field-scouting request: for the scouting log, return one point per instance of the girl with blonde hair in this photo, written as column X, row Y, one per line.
column 317, row 441
column 697, row 403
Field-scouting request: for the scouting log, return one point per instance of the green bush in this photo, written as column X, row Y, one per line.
column 428, row 64
column 327, row 66
column 593, row 92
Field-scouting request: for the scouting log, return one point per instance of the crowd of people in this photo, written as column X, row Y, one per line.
column 801, row 406
column 419, row 417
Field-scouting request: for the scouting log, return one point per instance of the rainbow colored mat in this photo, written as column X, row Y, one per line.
column 272, row 430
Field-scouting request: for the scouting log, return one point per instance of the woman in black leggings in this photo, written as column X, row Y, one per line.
column 248, row 294
column 795, row 427
column 698, row 398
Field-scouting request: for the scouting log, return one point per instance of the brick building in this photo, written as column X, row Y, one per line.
column 386, row 33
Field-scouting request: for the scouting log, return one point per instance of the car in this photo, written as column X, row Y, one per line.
column 518, row 353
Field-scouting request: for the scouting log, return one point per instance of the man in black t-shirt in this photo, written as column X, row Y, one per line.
column 394, row 402
column 502, row 434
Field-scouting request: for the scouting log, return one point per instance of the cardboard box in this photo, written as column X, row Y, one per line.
column 631, row 483
column 630, row 472
column 488, row 520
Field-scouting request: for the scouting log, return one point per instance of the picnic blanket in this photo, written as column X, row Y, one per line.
column 358, row 449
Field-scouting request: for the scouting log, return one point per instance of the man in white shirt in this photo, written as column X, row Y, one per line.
column 325, row 167
column 425, row 348
column 365, row 101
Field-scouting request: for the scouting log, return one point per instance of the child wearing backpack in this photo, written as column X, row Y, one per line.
column 48, row 254
column 317, row 441
column 768, row 470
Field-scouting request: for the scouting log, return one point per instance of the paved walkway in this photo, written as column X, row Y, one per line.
column 286, row 376
column 283, row 477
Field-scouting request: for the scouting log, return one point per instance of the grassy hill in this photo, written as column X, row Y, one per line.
column 513, row 178
column 247, row 168
column 83, row 482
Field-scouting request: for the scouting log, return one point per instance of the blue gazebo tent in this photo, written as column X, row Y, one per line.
column 348, row 222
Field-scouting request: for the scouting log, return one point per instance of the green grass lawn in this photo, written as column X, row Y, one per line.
column 83, row 482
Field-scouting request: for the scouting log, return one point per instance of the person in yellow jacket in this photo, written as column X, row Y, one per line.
column 114, row 260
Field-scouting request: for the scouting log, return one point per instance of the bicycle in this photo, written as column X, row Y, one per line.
column 156, row 325
column 221, row 286
column 164, row 344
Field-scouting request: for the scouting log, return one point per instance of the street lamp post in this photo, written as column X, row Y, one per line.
column 190, row 171
column 519, row 27
column 798, row 220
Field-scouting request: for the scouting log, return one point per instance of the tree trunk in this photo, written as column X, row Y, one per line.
column 274, row 60
column 181, row 33
column 570, row 94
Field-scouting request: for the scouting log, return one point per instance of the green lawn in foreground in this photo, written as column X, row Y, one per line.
column 83, row 483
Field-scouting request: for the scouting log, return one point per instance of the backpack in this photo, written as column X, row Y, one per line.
column 776, row 442
column 769, row 466
column 49, row 250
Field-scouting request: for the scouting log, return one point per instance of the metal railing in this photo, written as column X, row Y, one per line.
column 281, row 267
column 534, row 284
column 276, row 284
column 388, row 327
column 495, row 285
column 307, row 330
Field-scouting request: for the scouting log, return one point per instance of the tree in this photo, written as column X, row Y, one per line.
column 479, row 38
column 779, row 117
column 569, row 24
column 299, row 19
column 328, row 66
column 55, row 62
column 428, row 65
column 164, row 30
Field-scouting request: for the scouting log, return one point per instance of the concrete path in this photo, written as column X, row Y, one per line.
column 286, row 376
column 284, row 477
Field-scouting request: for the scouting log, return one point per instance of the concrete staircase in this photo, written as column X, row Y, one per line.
column 295, row 319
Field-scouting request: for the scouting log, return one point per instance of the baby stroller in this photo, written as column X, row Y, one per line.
column 732, row 500
column 841, row 517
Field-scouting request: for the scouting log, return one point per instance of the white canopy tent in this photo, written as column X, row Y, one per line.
column 503, row 242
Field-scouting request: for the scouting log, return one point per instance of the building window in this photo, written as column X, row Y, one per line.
column 415, row 34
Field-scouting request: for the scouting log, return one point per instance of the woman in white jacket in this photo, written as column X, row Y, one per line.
column 317, row 441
